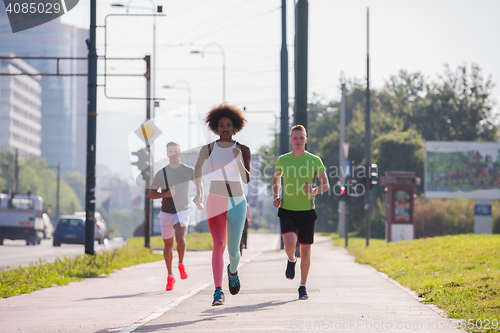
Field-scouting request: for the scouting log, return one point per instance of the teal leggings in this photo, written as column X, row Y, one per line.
column 219, row 210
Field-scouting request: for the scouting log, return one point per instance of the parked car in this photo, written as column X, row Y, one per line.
column 101, row 230
column 70, row 229
column 48, row 229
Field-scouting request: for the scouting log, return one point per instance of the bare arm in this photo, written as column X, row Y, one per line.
column 198, row 205
column 322, row 188
column 276, row 188
column 198, row 173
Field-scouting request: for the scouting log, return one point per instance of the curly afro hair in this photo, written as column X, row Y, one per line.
column 225, row 110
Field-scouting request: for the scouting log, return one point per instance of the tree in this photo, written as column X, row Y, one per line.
column 402, row 99
column 77, row 182
column 459, row 107
column 36, row 177
column 407, row 111
column 401, row 151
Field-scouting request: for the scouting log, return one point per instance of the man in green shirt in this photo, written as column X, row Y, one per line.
column 300, row 171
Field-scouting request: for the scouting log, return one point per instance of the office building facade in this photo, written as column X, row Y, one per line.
column 20, row 108
column 64, row 98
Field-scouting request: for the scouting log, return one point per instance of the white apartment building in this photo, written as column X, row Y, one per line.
column 20, row 108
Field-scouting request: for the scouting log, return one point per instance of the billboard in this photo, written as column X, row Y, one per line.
column 462, row 169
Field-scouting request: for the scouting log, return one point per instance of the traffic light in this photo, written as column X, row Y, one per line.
column 352, row 190
column 343, row 193
column 143, row 162
column 372, row 176
column 340, row 190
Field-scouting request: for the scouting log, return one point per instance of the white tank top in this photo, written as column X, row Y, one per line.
column 223, row 165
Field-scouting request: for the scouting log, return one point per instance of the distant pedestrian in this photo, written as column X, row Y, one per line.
column 229, row 163
column 173, row 180
column 300, row 171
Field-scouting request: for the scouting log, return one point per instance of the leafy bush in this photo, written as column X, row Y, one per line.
column 439, row 217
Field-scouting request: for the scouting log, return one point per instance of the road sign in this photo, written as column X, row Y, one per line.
column 347, row 168
column 148, row 131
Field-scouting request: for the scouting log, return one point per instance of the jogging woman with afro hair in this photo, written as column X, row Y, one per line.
column 226, row 206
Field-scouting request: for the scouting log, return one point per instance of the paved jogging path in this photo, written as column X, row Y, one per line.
column 343, row 297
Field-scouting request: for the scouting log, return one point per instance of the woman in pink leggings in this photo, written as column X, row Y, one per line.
column 226, row 206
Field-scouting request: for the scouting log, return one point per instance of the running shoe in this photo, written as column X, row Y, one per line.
column 182, row 271
column 234, row 282
column 218, row 297
column 290, row 269
column 303, row 292
column 170, row 283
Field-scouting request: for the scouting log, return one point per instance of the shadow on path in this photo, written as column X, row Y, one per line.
column 120, row 296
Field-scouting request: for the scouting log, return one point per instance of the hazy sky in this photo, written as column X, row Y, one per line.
column 413, row 35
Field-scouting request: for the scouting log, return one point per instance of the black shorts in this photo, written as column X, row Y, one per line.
column 302, row 223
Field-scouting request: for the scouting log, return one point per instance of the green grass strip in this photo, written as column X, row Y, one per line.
column 38, row 275
column 459, row 274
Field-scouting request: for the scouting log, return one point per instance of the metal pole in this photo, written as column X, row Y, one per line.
column 276, row 152
column 367, row 131
column 147, row 201
column 342, row 203
column 284, row 143
column 58, row 213
column 91, row 134
column 301, row 111
column 154, row 57
column 153, row 74
column 346, row 224
column 346, row 203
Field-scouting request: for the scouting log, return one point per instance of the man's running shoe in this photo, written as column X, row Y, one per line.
column 290, row 269
column 303, row 292
column 234, row 282
column 170, row 283
column 182, row 271
column 218, row 298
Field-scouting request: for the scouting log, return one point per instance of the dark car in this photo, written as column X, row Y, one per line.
column 101, row 230
column 70, row 229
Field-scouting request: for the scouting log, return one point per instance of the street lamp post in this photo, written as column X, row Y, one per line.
column 276, row 118
column 153, row 69
column 223, row 65
column 188, row 88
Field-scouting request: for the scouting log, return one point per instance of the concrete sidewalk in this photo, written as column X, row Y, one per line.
column 343, row 296
column 114, row 302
